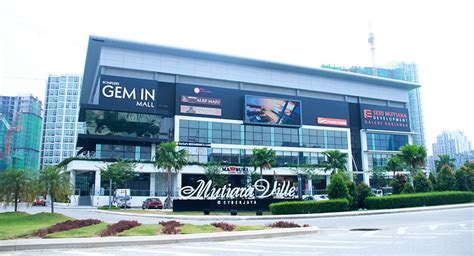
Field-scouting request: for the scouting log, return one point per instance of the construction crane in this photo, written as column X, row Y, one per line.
column 372, row 49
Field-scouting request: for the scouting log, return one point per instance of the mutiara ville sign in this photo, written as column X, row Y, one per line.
column 260, row 190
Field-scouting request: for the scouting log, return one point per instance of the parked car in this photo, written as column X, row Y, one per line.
column 122, row 201
column 152, row 203
column 40, row 200
column 316, row 198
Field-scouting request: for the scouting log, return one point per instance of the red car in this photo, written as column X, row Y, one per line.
column 152, row 203
column 39, row 201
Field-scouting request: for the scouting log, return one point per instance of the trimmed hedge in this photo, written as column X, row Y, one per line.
column 301, row 207
column 419, row 199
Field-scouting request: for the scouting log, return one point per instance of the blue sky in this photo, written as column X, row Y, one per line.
column 38, row 38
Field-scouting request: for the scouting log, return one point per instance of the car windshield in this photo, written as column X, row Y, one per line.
column 154, row 199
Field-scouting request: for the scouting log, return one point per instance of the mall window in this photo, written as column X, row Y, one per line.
column 196, row 154
column 337, row 139
column 287, row 158
column 313, row 138
column 126, row 152
column 225, row 155
column 225, row 133
column 378, row 160
column 286, row 137
column 386, row 142
column 258, row 135
column 313, row 158
column 193, row 131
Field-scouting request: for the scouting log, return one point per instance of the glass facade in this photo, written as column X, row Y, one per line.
column 386, row 142
column 125, row 152
column 240, row 134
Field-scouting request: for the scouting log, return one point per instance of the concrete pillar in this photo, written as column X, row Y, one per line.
column 179, row 178
column 152, row 184
column 72, row 179
column 97, row 183
column 310, row 187
column 328, row 180
column 153, row 152
column 365, row 157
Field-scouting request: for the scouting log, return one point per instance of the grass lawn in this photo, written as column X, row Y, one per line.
column 246, row 228
column 88, row 231
column 142, row 230
column 13, row 225
column 193, row 229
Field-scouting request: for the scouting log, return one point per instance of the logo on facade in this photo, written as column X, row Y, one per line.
column 143, row 97
column 367, row 113
column 332, row 121
column 260, row 190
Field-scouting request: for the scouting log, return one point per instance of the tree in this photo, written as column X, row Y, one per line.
column 214, row 172
column 263, row 158
column 465, row 177
column 421, row 183
column 169, row 158
column 446, row 179
column 334, row 160
column 15, row 185
column 337, row 187
column 398, row 183
column 444, row 160
column 408, row 188
column 363, row 191
column 395, row 165
column 117, row 173
column 379, row 177
column 414, row 157
column 54, row 182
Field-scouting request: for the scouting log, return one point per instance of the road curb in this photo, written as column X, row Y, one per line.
column 292, row 216
column 62, row 243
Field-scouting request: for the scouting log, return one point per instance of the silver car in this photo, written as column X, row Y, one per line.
column 122, row 201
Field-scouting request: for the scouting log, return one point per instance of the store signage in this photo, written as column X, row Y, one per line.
column 135, row 95
column 260, row 190
column 194, row 144
column 384, row 118
column 200, row 110
column 200, row 100
column 331, row 121
column 235, row 169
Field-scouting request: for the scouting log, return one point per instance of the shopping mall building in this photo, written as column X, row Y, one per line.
column 219, row 108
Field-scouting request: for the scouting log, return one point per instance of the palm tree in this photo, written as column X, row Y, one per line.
column 169, row 159
column 335, row 160
column 16, row 184
column 395, row 165
column 443, row 161
column 117, row 173
column 263, row 158
column 54, row 182
column 414, row 157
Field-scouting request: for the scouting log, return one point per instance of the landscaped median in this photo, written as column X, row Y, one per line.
column 46, row 225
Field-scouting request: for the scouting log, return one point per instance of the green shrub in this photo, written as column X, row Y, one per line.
column 421, row 183
column 301, row 207
column 398, row 183
column 433, row 181
column 408, row 188
column 419, row 199
column 363, row 191
column 351, row 189
column 465, row 179
column 446, row 179
column 337, row 188
column 106, row 207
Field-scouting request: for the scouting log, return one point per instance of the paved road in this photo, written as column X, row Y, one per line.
column 442, row 232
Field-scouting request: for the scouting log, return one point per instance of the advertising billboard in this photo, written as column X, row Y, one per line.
column 136, row 95
column 272, row 111
column 384, row 118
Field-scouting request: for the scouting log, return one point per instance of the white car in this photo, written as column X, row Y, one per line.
column 316, row 198
column 123, row 202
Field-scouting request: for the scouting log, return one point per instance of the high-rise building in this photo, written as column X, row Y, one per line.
column 20, row 130
column 451, row 143
column 60, row 125
column 405, row 72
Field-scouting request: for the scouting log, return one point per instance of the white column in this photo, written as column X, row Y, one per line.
column 365, row 157
column 328, row 180
column 179, row 178
column 152, row 184
column 310, row 186
column 153, row 152
column 72, row 179
column 97, row 183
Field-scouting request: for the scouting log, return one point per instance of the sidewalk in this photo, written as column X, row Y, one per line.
column 291, row 216
column 43, row 244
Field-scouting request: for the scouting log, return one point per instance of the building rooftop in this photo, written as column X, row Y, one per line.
column 97, row 42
